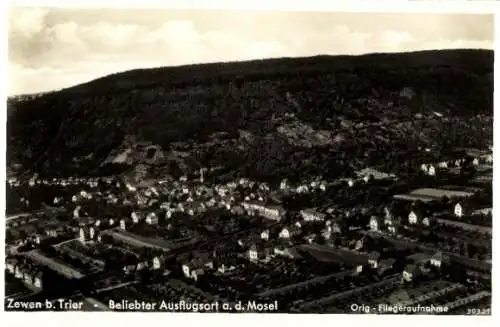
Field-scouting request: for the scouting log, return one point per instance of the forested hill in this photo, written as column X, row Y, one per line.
column 263, row 118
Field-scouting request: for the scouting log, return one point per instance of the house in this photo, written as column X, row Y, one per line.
column 10, row 264
column 387, row 213
column 38, row 280
column 392, row 229
column 410, row 272
column 265, row 235
column 281, row 250
column 424, row 168
column 443, row 164
column 458, row 210
column 374, row 224
column 413, row 217
column 470, row 209
column 290, row 232
column 92, row 233
column 488, row 158
column 428, row 221
column 257, row 252
column 284, row 184
column 475, row 162
column 483, row 211
column 82, row 235
column 273, row 212
column 123, row 225
column 336, row 228
column 152, row 219
column 136, row 217
column 224, row 268
column 157, row 262
column 437, row 259
column 312, row 215
column 431, row 171
column 373, row 259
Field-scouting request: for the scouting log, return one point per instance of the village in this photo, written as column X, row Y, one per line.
column 316, row 246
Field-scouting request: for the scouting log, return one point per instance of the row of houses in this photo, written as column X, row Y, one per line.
column 29, row 273
column 269, row 211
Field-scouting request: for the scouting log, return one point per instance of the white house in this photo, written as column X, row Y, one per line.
column 186, row 270
column 312, row 215
column 82, row 235
column 152, row 219
column 374, row 224
column 91, row 233
column 156, row 263
column 426, row 221
column 458, row 210
column 284, row 233
column 265, row 235
column 196, row 273
column 409, row 272
column 122, row 224
column 437, row 259
column 431, row 171
column 289, row 232
column 76, row 212
column 475, row 162
column 253, row 254
column 38, row 281
column 135, row 217
column 284, row 184
column 424, row 168
column 412, row 218
column 373, row 260
column 443, row 164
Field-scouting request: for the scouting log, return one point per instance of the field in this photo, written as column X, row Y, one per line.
column 431, row 194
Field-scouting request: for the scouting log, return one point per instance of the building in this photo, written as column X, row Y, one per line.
column 469, row 209
column 152, row 219
column 410, row 272
column 458, row 210
column 290, row 232
column 428, row 221
column 273, row 212
column 373, row 259
column 157, row 262
column 413, row 218
column 374, row 224
column 312, row 215
column 258, row 252
column 437, row 260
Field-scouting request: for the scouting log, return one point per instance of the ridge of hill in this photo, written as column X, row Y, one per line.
column 265, row 119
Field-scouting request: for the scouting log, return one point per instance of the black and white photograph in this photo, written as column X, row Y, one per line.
column 249, row 161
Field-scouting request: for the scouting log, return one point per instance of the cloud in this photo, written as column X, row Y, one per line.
column 51, row 51
column 27, row 21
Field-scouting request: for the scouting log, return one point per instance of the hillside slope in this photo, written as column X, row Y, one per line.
column 266, row 118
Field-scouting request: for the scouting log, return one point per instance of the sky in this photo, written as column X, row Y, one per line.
column 50, row 49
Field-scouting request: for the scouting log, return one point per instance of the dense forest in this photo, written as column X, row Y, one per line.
column 265, row 119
